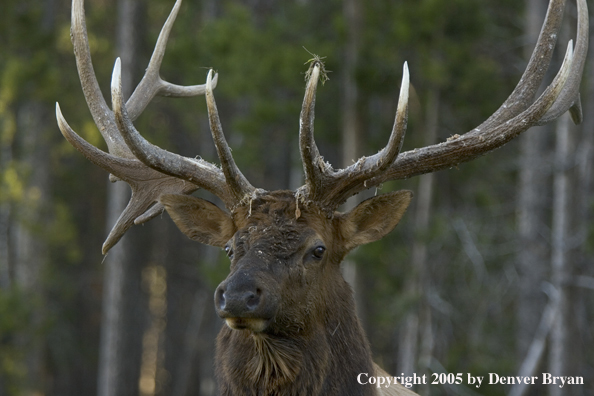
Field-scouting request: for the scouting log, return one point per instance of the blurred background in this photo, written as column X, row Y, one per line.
column 490, row 271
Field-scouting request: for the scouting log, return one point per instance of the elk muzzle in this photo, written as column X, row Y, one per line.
column 244, row 302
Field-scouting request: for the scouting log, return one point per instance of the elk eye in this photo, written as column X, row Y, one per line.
column 318, row 252
column 229, row 251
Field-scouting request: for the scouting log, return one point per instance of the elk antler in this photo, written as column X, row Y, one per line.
column 331, row 187
column 227, row 183
column 152, row 171
column 147, row 184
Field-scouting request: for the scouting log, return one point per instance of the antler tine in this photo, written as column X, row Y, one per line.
column 332, row 187
column 314, row 166
column 534, row 74
column 476, row 142
column 354, row 179
column 101, row 113
column 524, row 92
column 196, row 171
column 388, row 154
column 481, row 140
column 152, row 84
column 238, row 184
column 570, row 96
column 108, row 162
column 140, row 178
column 518, row 113
column 143, row 204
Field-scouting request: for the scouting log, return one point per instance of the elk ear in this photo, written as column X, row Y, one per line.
column 373, row 218
column 199, row 219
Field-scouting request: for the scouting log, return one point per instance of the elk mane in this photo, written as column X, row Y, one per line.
column 277, row 361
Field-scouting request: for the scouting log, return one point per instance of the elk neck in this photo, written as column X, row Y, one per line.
column 321, row 352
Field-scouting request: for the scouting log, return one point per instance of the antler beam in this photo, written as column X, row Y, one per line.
column 330, row 188
column 152, row 171
column 147, row 184
column 228, row 184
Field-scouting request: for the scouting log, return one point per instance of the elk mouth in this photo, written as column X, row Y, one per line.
column 256, row 325
column 244, row 303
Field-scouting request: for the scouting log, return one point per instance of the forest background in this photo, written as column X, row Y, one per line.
column 491, row 269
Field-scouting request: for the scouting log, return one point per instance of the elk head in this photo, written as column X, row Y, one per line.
column 282, row 265
column 286, row 247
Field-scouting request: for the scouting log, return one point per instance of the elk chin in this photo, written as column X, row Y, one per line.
column 256, row 325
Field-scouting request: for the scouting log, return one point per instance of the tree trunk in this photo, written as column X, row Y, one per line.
column 30, row 247
column 121, row 344
column 562, row 339
column 560, row 255
column 351, row 140
column 531, row 190
column 25, row 196
column 417, row 341
column 7, row 131
column 537, row 347
column 583, row 219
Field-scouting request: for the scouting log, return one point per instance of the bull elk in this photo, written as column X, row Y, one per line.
column 291, row 326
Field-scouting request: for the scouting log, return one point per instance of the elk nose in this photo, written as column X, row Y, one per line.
column 237, row 303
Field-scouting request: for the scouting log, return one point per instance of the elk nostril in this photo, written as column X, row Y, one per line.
column 220, row 298
column 252, row 299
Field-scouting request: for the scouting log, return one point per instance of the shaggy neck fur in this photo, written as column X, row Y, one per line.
column 275, row 361
column 322, row 361
column 320, row 353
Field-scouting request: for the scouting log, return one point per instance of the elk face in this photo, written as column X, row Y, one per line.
column 277, row 261
column 284, row 266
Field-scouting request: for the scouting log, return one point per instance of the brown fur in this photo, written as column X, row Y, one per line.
column 312, row 342
column 274, row 360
